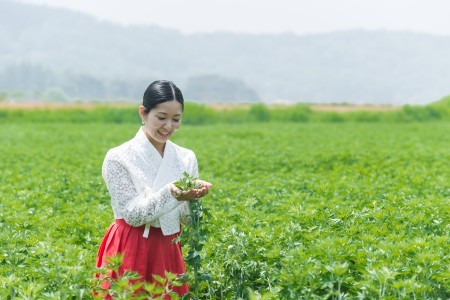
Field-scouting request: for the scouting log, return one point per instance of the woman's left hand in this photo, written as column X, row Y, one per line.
column 204, row 190
column 203, row 183
column 194, row 194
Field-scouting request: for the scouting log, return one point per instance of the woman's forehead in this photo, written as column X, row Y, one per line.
column 169, row 107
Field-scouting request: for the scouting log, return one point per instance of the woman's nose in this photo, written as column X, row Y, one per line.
column 168, row 125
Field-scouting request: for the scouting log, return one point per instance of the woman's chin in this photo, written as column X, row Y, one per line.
column 162, row 138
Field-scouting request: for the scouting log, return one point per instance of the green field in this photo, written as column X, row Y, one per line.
column 299, row 210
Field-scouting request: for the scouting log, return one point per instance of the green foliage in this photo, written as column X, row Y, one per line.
column 417, row 113
column 197, row 114
column 356, row 210
column 77, row 114
column 186, row 183
column 129, row 285
column 295, row 113
column 259, row 113
column 442, row 103
column 194, row 237
column 200, row 114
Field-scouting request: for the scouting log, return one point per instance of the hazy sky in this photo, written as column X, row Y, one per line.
column 262, row 16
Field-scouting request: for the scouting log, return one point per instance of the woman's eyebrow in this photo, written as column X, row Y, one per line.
column 160, row 112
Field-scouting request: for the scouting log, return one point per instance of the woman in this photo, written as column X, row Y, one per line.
column 147, row 206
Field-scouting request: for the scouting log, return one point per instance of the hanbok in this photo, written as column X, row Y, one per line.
column 147, row 216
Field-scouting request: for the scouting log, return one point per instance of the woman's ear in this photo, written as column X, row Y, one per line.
column 141, row 111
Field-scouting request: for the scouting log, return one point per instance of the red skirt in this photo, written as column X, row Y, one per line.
column 146, row 256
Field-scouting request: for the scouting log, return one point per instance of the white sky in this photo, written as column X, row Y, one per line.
column 263, row 16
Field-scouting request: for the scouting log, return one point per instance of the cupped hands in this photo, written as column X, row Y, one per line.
column 192, row 194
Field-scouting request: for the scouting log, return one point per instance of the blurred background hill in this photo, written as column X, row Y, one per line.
column 57, row 55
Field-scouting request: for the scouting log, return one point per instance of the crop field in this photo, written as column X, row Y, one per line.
column 346, row 210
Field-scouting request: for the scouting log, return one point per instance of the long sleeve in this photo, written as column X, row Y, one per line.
column 185, row 213
column 194, row 167
column 137, row 207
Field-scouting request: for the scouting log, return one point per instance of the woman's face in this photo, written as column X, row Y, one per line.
column 162, row 121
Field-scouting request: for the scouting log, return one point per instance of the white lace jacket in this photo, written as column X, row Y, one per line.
column 138, row 180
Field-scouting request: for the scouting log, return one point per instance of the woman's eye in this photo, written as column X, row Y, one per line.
column 177, row 120
column 159, row 118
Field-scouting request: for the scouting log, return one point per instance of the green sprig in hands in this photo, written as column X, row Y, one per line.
column 189, row 188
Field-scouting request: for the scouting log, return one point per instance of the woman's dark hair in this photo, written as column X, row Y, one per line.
column 161, row 91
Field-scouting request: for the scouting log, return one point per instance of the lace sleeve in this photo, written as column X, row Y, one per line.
column 194, row 167
column 185, row 213
column 135, row 206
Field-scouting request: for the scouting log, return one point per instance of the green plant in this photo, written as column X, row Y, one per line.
column 309, row 210
column 129, row 286
column 187, row 182
column 195, row 236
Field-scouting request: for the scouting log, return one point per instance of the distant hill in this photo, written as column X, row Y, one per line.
column 44, row 50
